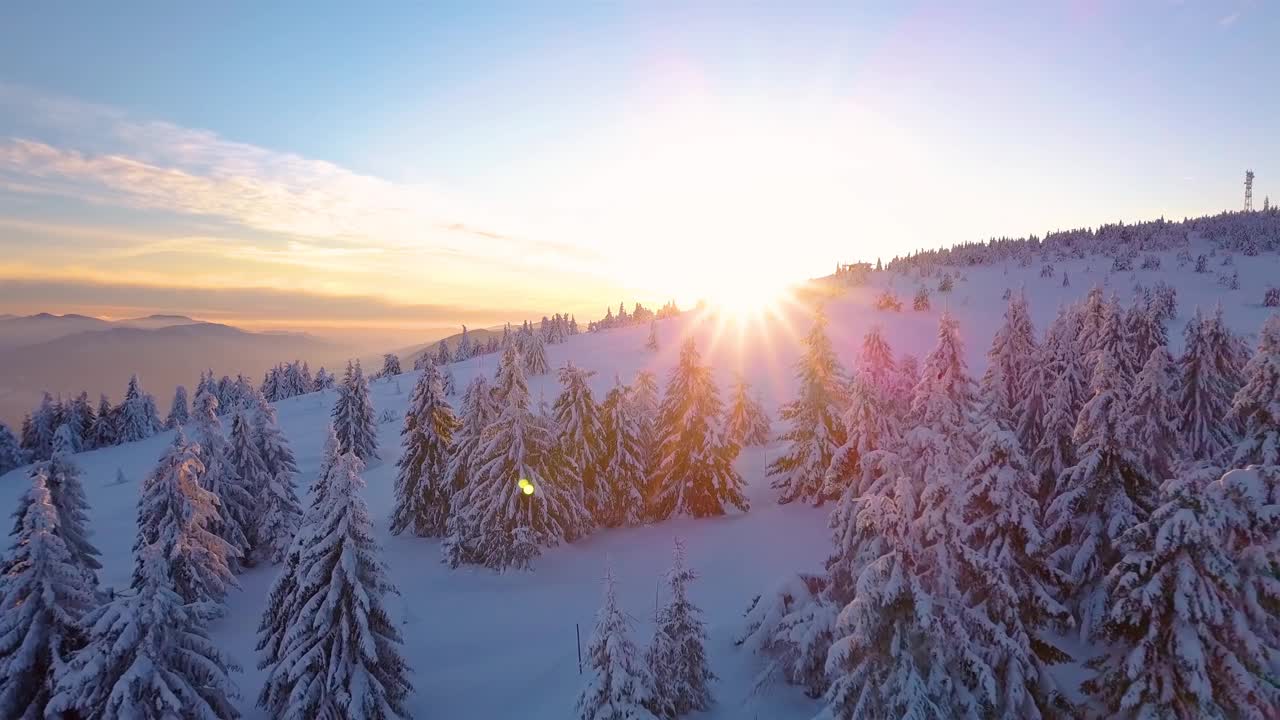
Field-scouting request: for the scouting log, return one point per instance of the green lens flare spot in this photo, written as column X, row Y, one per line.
column 525, row 486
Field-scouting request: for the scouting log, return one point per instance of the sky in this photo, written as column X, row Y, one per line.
column 318, row 164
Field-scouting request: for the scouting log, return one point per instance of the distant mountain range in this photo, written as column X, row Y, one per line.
column 70, row 353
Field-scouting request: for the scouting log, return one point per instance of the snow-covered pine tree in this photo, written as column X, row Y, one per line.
column 652, row 342
column 178, row 413
column 281, row 600
column 234, row 499
column 177, row 516
column 479, row 410
column 869, row 426
column 891, row 657
column 37, row 437
column 816, row 431
column 135, row 423
column 577, row 418
column 148, row 656
column 622, row 461
column 105, row 430
column 677, row 658
column 1113, row 337
column 464, row 346
column 423, row 491
column 391, row 365
column 324, row 380
column 246, row 458
column 353, row 416
column 1032, row 405
column 941, row 439
column 11, row 453
column 893, row 380
column 42, row 599
column 1016, row 586
column 1205, row 392
column 443, row 355
column 1098, row 498
column 280, row 510
column 78, row 414
column 693, row 473
column 1145, row 329
column 1153, row 418
column 747, row 423
column 499, row 521
column 1178, row 642
column 66, row 492
column 1013, row 352
column 1056, row 450
column 1091, row 315
column 644, row 393
column 618, row 685
column 535, row 354
column 1255, row 409
column 340, row 657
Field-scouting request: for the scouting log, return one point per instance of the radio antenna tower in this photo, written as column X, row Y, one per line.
column 1248, row 190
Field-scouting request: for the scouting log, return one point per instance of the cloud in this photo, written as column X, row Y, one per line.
column 113, row 160
column 1229, row 20
column 231, row 304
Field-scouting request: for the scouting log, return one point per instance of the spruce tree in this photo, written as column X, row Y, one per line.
column 234, row 498
column 1012, row 354
column 1145, row 329
column 535, row 354
column 280, row 510
column 622, row 461
column 37, row 437
column 136, row 422
column 1056, row 450
column 1153, row 417
column 177, row 516
column 105, row 431
column 148, row 657
column 520, row 495
column 479, row 410
column 941, row 438
column 1100, row 497
column 66, row 491
column 1032, row 405
column 443, row 356
column 391, row 364
column 1205, row 391
column 816, row 431
column 677, row 657
column 890, row 657
column 1177, row 640
column 869, row 426
column 353, row 416
column 423, row 491
column 42, row 599
column 1255, row 409
column 341, row 655
column 693, row 472
column 652, row 342
column 1020, row 590
column 246, row 458
column 747, row 424
column 178, row 412
column 282, row 598
column 618, row 684
column 892, row 380
column 11, row 453
column 577, row 417
column 79, row 415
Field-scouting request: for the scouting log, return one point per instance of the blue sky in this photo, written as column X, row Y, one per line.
column 488, row 160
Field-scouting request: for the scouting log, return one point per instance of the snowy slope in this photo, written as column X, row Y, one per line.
column 484, row 645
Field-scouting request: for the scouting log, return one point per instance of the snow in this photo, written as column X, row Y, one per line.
column 483, row 644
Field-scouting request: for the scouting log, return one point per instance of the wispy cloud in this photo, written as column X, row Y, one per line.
column 117, row 161
column 1229, row 20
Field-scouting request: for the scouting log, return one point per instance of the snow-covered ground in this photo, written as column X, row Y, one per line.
column 485, row 645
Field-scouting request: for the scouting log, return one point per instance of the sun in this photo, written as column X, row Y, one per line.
column 743, row 295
